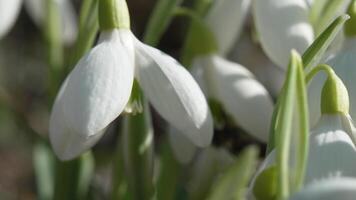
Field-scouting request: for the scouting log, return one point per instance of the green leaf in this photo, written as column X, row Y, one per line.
column 138, row 153
column 88, row 28
column 323, row 11
column 73, row 177
column 316, row 50
column 233, row 182
column 159, row 20
column 199, row 41
column 43, row 163
column 303, row 141
column 283, row 127
column 167, row 183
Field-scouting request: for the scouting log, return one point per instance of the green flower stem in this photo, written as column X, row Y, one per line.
column 88, row 29
column 159, row 20
column 54, row 42
column 334, row 96
column 113, row 14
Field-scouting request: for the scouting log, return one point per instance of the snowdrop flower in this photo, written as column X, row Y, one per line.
column 282, row 26
column 9, row 11
column 231, row 84
column 99, row 87
column 37, row 11
column 343, row 64
column 332, row 151
column 330, row 189
column 240, row 94
column 227, row 31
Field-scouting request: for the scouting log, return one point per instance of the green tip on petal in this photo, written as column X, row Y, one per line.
column 113, row 14
column 266, row 184
column 350, row 25
column 334, row 96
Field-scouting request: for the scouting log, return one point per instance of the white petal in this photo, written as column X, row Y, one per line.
column 330, row 189
column 67, row 144
column 226, row 19
column 330, row 151
column 174, row 94
column 241, row 95
column 184, row 150
column 96, row 92
column 282, row 26
column 36, row 10
column 9, row 10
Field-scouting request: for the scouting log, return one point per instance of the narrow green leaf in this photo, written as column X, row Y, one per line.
column 159, row 20
column 316, row 50
column 233, row 183
column 73, row 178
column 303, row 113
column 199, row 40
column 169, row 174
column 138, row 153
column 283, row 128
column 88, row 28
column 43, row 162
column 328, row 9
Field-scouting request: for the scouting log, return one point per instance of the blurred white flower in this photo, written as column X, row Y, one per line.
column 240, row 94
column 99, row 87
column 282, row 26
column 332, row 152
column 206, row 169
column 329, row 189
column 9, row 10
column 226, row 19
column 37, row 11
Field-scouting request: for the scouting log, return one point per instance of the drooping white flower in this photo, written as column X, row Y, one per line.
column 332, row 152
column 343, row 64
column 99, row 87
column 240, row 94
column 37, row 11
column 329, row 189
column 226, row 19
column 282, row 26
column 9, row 11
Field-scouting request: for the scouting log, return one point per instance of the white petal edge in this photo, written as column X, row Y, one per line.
column 183, row 149
column 330, row 189
column 9, row 10
column 67, row 144
column 97, row 90
column 174, row 93
column 226, row 19
column 282, row 26
column 241, row 95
